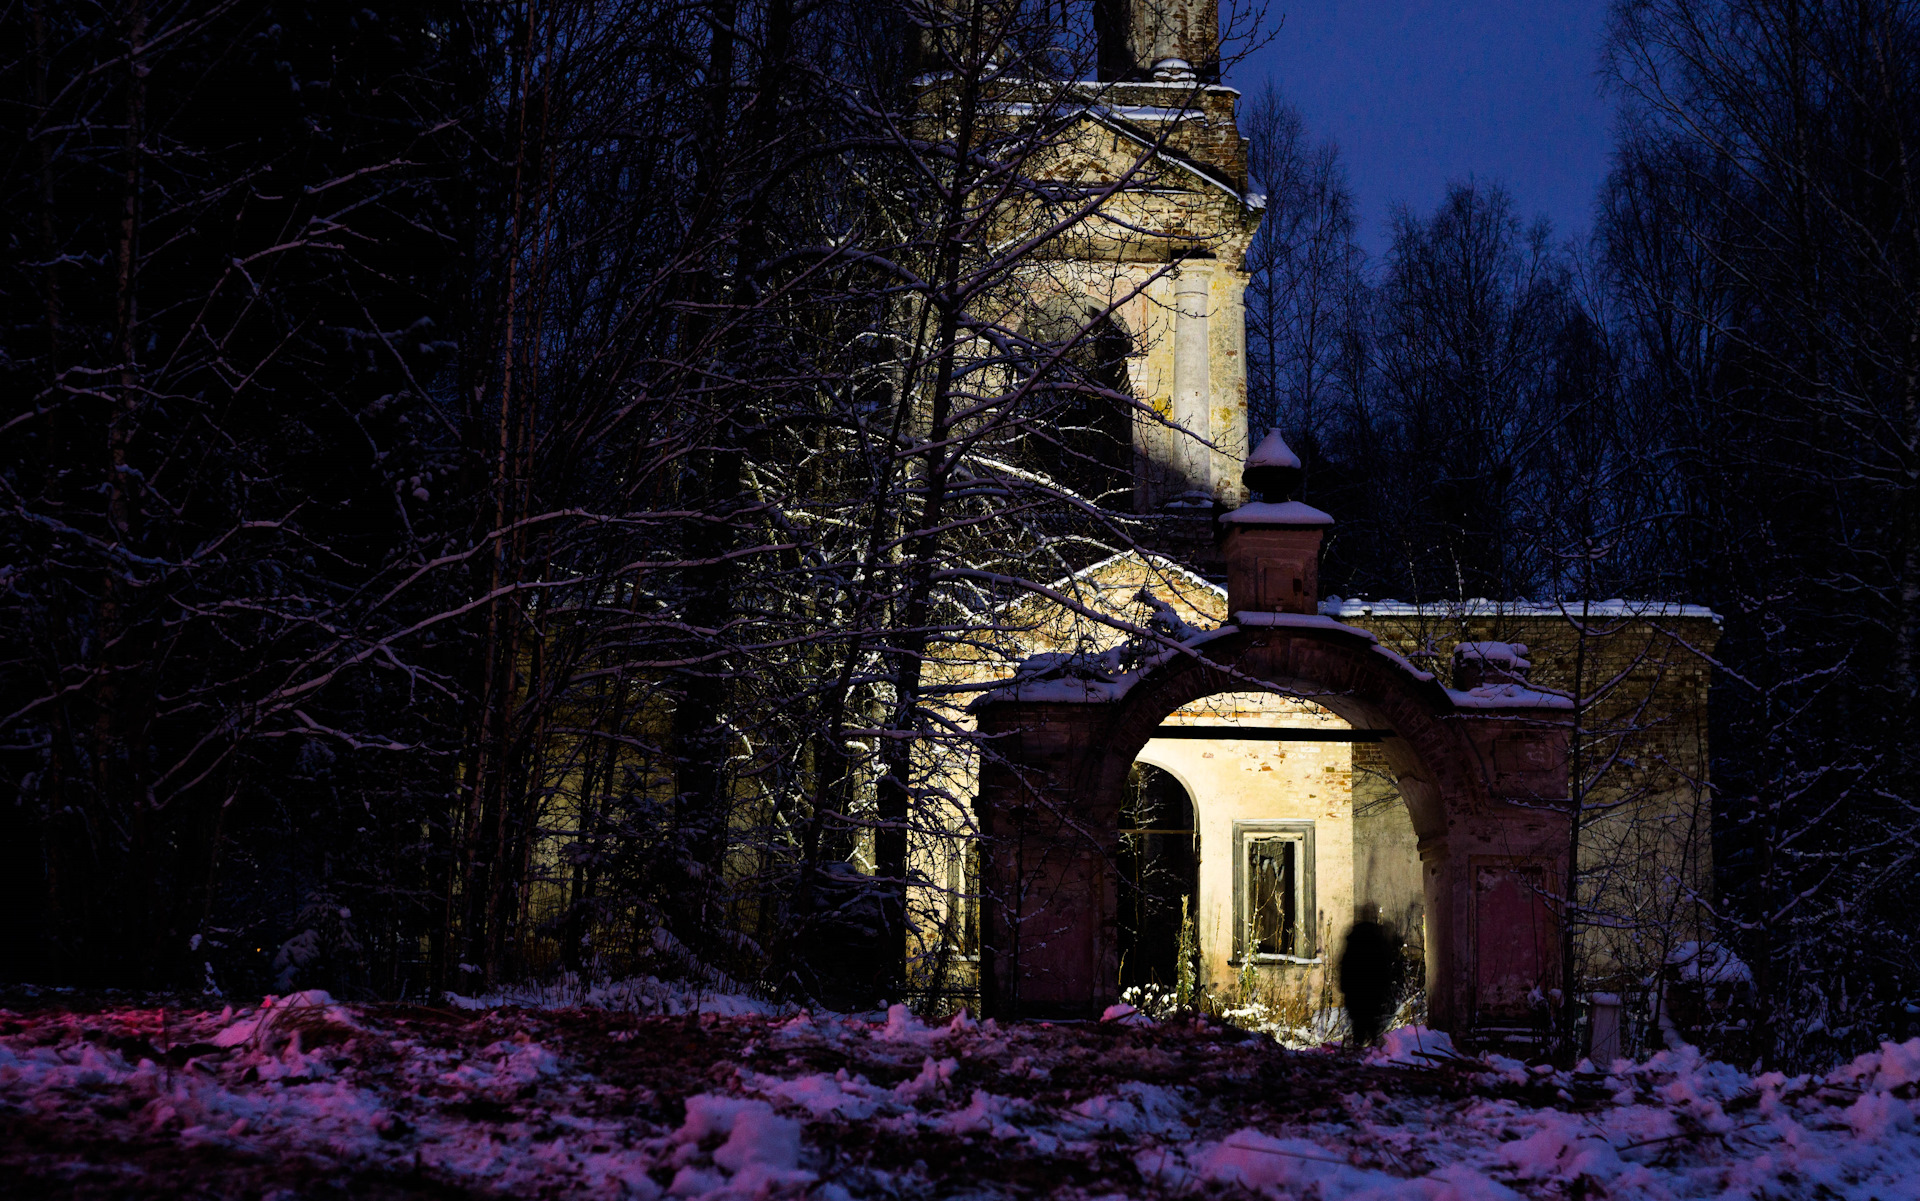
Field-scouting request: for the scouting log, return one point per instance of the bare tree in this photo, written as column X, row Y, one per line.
column 1306, row 277
column 1757, row 218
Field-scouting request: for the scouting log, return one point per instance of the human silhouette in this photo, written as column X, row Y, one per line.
column 1370, row 973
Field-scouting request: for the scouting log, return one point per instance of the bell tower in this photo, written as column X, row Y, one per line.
column 1152, row 272
column 1177, row 282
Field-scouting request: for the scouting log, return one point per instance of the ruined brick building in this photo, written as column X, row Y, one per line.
column 1210, row 807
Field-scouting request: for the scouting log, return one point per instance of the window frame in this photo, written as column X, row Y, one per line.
column 1306, row 907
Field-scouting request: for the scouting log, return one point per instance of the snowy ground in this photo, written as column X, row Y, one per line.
column 308, row 1098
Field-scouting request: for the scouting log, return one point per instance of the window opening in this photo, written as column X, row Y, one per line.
column 1159, row 872
column 1274, row 904
column 1274, row 869
column 1083, row 435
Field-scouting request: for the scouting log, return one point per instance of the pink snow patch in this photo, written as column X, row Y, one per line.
column 313, row 1003
column 1562, row 1149
column 508, row 1067
column 763, row 1137
column 1413, row 1046
column 1893, row 1065
column 1297, row 1167
column 903, row 1027
column 933, row 1076
column 985, row 1114
column 840, row 1095
column 1876, row 1115
column 761, row 1154
column 621, row 1174
column 1258, row 1161
column 1136, row 1108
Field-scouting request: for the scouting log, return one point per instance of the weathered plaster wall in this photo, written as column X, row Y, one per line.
column 1386, row 851
column 1646, row 846
column 1234, row 780
column 1143, row 298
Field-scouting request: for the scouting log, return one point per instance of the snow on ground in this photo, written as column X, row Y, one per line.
column 638, row 994
column 303, row 1096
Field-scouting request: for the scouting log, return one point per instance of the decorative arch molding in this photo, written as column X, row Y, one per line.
column 1337, row 667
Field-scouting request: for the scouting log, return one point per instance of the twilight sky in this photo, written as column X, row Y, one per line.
column 1418, row 92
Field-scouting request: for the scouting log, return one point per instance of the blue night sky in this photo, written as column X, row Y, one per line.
column 1417, row 93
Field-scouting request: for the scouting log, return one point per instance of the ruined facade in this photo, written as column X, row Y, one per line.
column 1156, row 267
column 1211, row 806
column 1296, row 764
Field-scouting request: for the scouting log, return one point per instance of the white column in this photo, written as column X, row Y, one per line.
column 1192, row 393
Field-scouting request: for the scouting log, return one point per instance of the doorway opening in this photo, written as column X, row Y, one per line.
column 1159, row 864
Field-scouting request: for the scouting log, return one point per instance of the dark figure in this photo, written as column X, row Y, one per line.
column 1370, row 974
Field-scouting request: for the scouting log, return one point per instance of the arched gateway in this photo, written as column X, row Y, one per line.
column 1483, row 772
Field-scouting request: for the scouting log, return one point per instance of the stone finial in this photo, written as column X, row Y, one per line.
column 1273, row 471
column 1273, row 544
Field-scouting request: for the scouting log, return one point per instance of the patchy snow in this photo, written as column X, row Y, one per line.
column 1296, row 1167
column 1082, row 678
column 1508, row 696
column 1167, row 618
column 1480, row 606
column 283, row 1015
column 1147, row 112
column 1414, row 1046
column 307, row 1094
column 1403, row 663
column 1256, row 618
column 1709, row 963
column 1126, row 1014
column 1160, row 568
column 1509, row 655
column 636, row 994
column 1322, row 621
column 1289, row 512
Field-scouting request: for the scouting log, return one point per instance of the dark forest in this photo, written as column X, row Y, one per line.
column 487, row 490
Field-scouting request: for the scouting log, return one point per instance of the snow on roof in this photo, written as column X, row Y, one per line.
column 1096, row 85
column 1299, row 621
column 1504, row 654
column 1081, row 678
column 1147, row 112
column 1167, row 154
column 1508, row 696
column 1273, row 451
column 1290, row 512
column 1184, row 85
column 1159, row 563
column 1120, row 118
column 1480, row 606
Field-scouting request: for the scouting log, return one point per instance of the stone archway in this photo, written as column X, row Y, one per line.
column 1483, row 771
